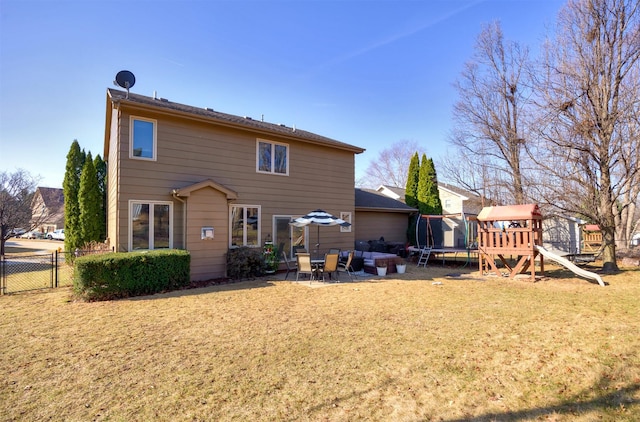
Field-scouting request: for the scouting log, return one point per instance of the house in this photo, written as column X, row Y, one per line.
column 456, row 203
column 47, row 209
column 194, row 178
column 562, row 235
column 379, row 215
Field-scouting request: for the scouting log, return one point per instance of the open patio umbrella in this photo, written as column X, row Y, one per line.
column 319, row 218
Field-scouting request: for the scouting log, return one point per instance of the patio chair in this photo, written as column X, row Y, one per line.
column 346, row 266
column 330, row 265
column 290, row 265
column 304, row 265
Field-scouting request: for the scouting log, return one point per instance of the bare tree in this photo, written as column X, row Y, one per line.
column 391, row 167
column 489, row 126
column 478, row 174
column 589, row 91
column 16, row 193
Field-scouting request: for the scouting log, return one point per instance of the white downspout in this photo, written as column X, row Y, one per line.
column 174, row 193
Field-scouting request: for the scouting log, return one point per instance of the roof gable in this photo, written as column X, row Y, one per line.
column 186, row 191
column 53, row 198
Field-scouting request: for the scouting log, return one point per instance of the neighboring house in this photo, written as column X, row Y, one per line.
column 562, row 235
column 197, row 179
column 47, row 209
column 455, row 201
column 379, row 216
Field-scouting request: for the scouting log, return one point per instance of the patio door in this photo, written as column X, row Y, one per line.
column 292, row 238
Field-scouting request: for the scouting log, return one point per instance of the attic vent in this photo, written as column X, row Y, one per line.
column 209, row 109
column 283, row 125
column 164, row 100
column 248, row 118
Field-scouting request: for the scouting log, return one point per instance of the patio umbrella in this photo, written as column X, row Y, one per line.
column 319, row 218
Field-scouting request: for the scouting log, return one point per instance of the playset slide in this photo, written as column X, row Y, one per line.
column 571, row 266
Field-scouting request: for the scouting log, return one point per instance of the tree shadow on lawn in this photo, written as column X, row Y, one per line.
column 564, row 274
column 208, row 287
column 622, row 399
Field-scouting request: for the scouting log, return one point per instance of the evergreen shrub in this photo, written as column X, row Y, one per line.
column 118, row 275
column 245, row 262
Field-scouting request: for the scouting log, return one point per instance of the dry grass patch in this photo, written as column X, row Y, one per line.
column 398, row 349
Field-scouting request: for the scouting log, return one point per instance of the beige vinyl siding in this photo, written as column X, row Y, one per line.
column 190, row 151
column 112, row 185
column 456, row 202
column 207, row 208
column 373, row 225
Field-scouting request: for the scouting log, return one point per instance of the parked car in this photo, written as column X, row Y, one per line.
column 16, row 232
column 56, row 235
column 32, row 235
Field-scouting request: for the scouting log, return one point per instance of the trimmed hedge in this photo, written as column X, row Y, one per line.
column 125, row 274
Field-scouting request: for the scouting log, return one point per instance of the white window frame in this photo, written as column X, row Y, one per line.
column 273, row 144
column 244, row 231
column 132, row 203
column 132, row 119
column 346, row 216
column 290, row 239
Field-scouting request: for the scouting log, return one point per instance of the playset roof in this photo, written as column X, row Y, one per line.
column 510, row 212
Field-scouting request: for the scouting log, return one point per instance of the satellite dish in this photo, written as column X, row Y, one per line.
column 125, row 79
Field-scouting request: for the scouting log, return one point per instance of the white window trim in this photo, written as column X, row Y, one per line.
column 130, row 219
column 290, row 218
column 273, row 143
column 155, row 138
column 346, row 216
column 244, row 234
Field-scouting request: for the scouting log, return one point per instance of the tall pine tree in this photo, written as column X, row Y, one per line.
column 428, row 196
column 413, row 176
column 434, row 205
column 71, row 187
column 89, row 199
column 101, row 175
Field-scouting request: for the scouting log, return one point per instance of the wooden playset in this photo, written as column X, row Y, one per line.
column 510, row 230
column 591, row 239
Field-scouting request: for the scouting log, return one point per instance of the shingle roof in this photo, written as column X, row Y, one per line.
column 372, row 200
column 53, row 198
column 454, row 189
column 121, row 97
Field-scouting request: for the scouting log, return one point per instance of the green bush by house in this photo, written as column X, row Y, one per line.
column 119, row 275
column 245, row 262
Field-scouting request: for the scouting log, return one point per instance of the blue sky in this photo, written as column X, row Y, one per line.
column 366, row 72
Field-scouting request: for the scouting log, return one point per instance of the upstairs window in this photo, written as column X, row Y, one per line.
column 143, row 138
column 272, row 157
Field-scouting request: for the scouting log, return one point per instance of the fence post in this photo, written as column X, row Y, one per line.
column 2, row 275
column 55, row 268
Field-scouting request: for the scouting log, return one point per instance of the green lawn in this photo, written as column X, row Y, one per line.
column 394, row 349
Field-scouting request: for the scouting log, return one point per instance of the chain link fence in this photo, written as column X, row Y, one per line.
column 21, row 273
